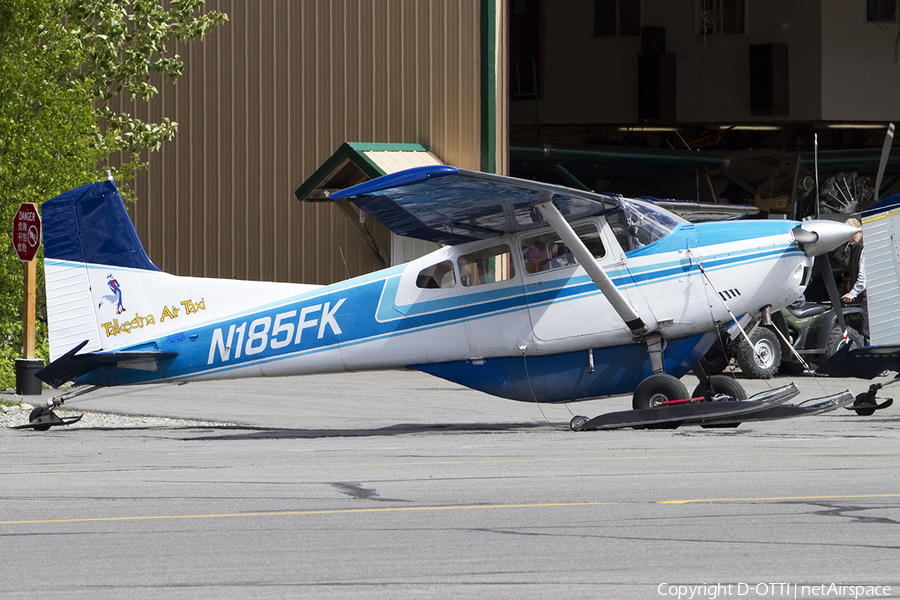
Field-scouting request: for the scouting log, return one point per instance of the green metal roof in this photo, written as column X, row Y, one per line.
column 355, row 162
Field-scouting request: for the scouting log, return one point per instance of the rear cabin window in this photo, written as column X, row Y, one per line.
column 437, row 276
column 547, row 252
column 486, row 266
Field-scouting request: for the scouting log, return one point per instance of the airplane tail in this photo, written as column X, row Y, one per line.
column 88, row 240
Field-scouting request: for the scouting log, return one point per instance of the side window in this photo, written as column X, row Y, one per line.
column 437, row 276
column 546, row 252
column 486, row 266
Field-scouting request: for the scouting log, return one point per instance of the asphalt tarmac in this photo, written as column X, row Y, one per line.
column 398, row 485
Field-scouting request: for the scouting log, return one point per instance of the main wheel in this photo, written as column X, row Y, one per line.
column 656, row 389
column 761, row 360
column 720, row 384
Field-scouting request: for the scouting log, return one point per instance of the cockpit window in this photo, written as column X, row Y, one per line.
column 546, row 252
column 486, row 266
column 437, row 276
column 641, row 223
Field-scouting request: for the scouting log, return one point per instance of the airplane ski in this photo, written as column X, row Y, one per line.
column 688, row 411
column 765, row 406
column 813, row 406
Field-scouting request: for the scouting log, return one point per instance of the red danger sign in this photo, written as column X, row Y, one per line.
column 27, row 231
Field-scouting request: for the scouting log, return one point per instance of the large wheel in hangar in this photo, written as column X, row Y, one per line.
column 656, row 389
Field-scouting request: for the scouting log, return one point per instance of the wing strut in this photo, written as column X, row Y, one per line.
column 619, row 303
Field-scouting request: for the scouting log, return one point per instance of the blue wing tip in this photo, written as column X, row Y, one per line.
column 398, row 179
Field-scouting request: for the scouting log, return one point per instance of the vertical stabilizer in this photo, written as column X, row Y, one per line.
column 85, row 228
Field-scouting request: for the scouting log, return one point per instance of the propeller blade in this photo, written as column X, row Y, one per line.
column 823, row 266
column 885, row 152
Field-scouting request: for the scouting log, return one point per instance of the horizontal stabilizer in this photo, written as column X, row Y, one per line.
column 72, row 365
column 863, row 363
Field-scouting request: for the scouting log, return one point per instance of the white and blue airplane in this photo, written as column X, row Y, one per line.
column 540, row 293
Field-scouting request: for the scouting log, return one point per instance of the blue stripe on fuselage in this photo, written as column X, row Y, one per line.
column 367, row 310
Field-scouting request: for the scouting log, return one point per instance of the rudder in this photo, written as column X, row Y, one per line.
column 87, row 227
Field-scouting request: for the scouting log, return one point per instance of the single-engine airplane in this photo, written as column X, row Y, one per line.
column 540, row 293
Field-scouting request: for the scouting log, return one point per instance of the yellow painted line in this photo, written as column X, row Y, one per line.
column 779, row 498
column 309, row 512
column 505, row 461
column 403, row 509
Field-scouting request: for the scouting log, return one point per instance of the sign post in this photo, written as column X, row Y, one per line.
column 27, row 240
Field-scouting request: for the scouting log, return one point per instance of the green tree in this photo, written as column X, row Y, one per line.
column 60, row 62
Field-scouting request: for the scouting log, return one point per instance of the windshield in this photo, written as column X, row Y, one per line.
column 641, row 223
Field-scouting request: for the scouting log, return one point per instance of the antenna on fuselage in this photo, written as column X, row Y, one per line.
column 816, row 169
column 346, row 270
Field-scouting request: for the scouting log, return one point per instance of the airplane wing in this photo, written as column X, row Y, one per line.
column 72, row 365
column 701, row 212
column 447, row 205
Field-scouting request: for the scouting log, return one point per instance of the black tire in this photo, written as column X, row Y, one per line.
column 36, row 414
column 865, row 405
column 657, row 388
column 865, row 412
column 791, row 367
column 760, row 361
column 836, row 337
column 578, row 422
column 716, row 359
column 720, row 384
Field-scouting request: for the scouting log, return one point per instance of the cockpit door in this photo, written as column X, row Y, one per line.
column 563, row 301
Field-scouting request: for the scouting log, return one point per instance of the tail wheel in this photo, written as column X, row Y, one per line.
column 36, row 414
column 656, row 389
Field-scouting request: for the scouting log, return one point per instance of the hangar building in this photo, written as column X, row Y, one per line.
column 291, row 97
